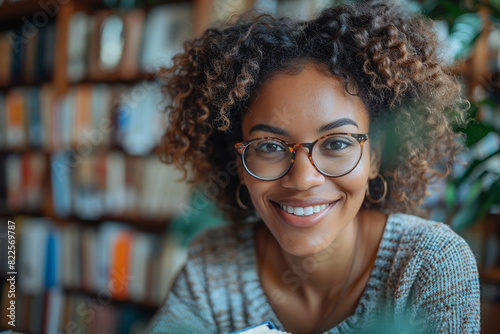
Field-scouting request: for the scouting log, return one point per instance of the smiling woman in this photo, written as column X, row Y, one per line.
column 337, row 126
column 331, row 172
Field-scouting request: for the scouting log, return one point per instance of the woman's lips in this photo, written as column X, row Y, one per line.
column 303, row 216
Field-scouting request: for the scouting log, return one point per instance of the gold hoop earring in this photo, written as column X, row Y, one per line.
column 384, row 191
column 238, row 200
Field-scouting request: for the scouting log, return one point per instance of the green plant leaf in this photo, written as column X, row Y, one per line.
column 451, row 7
column 475, row 131
column 477, row 206
column 464, row 32
column 491, row 197
column 472, row 166
column 495, row 4
column 466, row 215
column 441, row 10
column 469, row 210
column 450, row 196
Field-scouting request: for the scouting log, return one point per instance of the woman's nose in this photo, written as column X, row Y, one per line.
column 302, row 175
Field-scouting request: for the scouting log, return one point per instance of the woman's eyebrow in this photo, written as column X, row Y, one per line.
column 337, row 123
column 269, row 128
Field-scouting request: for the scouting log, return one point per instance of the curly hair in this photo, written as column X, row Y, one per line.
column 391, row 57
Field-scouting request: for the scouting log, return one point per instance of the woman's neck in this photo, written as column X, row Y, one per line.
column 322, row 273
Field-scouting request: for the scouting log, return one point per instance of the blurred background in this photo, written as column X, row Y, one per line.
column 98, row 224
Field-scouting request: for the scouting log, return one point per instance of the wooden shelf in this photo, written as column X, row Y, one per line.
column 25, row 84
column 72, row 148
column 7, row 213
column 14, row 10
column 144, row 305
column 30, row 9
column 21, row 150
column 145, row 224
column 117, row 80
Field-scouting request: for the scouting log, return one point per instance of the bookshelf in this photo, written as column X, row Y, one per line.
column 78, row 175
column 77, row 170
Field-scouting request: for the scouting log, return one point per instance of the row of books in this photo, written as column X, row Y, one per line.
column 112, row 260
column 114, row 184
column 27, row 53
column 298, row 9
column 57, row 312
column 22, row 181
column 109, row 183
column 24, row 117
column 119, row 44
column 106, row 44
column 124, row 44
column 88, row 117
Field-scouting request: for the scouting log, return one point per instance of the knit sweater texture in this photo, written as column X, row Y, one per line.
column 424, row 279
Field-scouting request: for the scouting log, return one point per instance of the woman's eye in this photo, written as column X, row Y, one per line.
column 269, row 147
column 337, row 145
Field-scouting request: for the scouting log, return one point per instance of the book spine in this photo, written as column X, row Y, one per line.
column 61, row 183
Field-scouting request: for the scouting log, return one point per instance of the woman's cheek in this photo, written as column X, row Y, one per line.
column 354, row 182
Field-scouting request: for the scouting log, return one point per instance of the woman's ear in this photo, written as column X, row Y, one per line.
column 375, row 159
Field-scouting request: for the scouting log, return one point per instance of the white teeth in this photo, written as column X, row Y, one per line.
column 298, row 211
column 307, row 211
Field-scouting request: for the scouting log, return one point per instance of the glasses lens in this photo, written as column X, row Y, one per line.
column 336, row 155
column 267, row 158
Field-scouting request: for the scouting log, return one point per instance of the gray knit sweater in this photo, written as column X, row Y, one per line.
column 424, row 280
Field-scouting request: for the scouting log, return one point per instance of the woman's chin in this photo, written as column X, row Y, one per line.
column 304, row 247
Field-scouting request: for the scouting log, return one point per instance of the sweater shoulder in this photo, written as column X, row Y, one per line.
column 429, row 240
column 425, row 230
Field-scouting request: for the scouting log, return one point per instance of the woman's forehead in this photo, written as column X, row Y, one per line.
column 304, row 101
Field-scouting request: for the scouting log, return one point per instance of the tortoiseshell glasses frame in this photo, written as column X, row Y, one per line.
column 289, row 151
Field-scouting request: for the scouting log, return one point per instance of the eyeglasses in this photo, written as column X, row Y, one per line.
column 332, row 155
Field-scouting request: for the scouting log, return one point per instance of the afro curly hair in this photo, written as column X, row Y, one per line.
column 390, row 56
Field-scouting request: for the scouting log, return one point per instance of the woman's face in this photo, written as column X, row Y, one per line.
column 301, row 108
